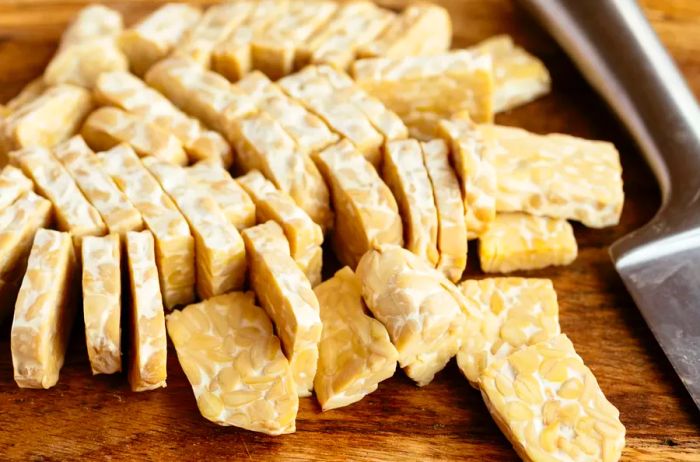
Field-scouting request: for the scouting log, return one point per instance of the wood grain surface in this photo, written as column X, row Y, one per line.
column 96, row 418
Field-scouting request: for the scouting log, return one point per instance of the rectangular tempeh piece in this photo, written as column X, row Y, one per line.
column 452, row 229
column 518, row 76
column 516, row 312
column 305, row 237
column 286, row 295
column 355, row 352
column 234, row 363
column 174, row 243
column 117, row 212
column 236, row 204
column 550, row 406
column 128, row 92
column 72, row 210
column 44, row 311
column 101, row 258
column 424, row 89
column 353, row 25
column 405, row 174
column 217, row 22
column 422, row 311
column 518, row 241
column 366, row 212
column 109, row 126
column 261, row 143
column 308, row 130
column 13, row 184
column 420, row 29
column 472, row 159
column 155, row 36
column 556, row 175
column 46, row 120
column 148, row 350
column 219, row 249
column 92, row 22
column 273, row 48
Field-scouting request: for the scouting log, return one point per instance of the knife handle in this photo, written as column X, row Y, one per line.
column 622, row 58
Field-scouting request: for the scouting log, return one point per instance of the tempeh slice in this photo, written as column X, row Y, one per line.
column 92, row 22
column 13, row 184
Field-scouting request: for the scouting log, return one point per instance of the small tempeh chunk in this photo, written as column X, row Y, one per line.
column 233, row 360
column 101, row 281
column 355, row 352
column 92, row 22
column 148, row 350
column 13, row 183
column 44, row 311
column 518, row 241
column 288, row 299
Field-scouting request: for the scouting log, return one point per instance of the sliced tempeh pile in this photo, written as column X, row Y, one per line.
column 101, row 259
column 305, row 237
column 516, row 312
column 13, row 184
column 234, row 362
column 44, row 311
column 118, row 214
column 452, row 229
column 155, row 36
column 109, row 126
column 355, row 352
column 286, row 295
column 219, row 249
column 366, row 211
column 518, row 241
column 174, row 243
column 550, row 406
column 405, row 174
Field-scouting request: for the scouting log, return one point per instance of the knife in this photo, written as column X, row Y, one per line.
column 620, row 55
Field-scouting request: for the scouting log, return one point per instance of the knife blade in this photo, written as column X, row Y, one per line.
column 622, row 58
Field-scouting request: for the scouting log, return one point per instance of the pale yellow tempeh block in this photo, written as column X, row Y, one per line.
column 234, row 363
column 102, row 306
column 261, row 143
column 366, row 212
column 72, row 210
column 308, row 130
column 420, row 29
column 518, row 76
column 88, row 48
column 149, row 344
column 422, row 310
column 232, row 199
column 155, row 36
column 555, row 175
column 219, row 249
column 286, row 295
column 516, row 313
column 550, row 406
column 232, row 57
column 518, row 241
column 424, row 89
column 118, row 214
column 174, row 243
column 452, row 229
column 200, row 93
column 472, row 159
column 131, row 94
column 109, row 126
column 13, row 184
column 355, row 352
column 45, row 120
column 353, row 25
column 217, row 22
column 273, row 48
column 44, row 311
column 305, row 237
column 405, row 174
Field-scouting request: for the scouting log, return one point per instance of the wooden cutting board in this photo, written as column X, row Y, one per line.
column 87, row 417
